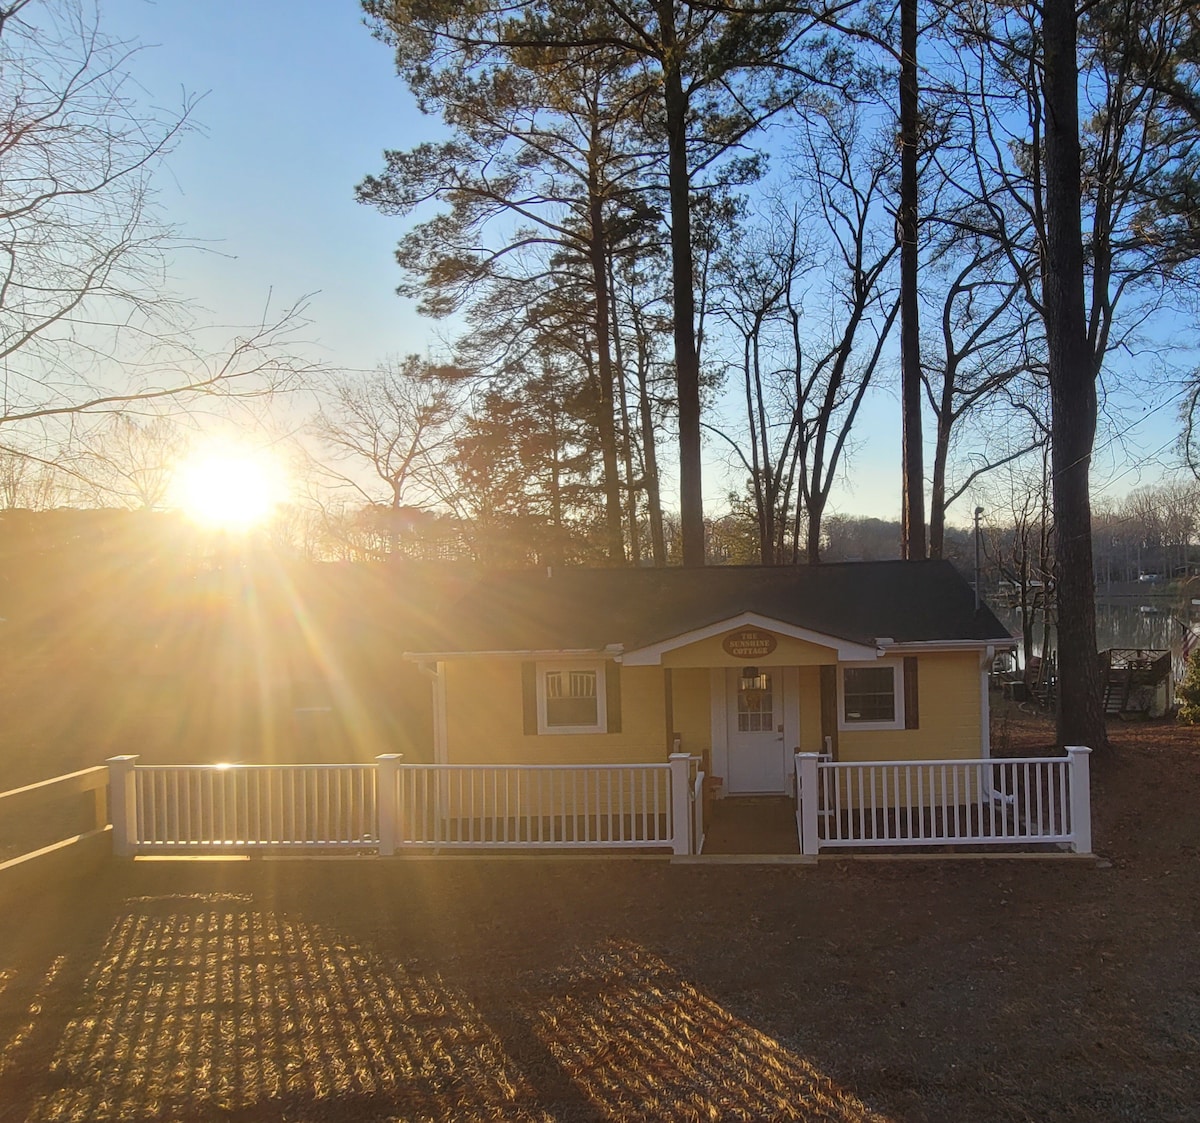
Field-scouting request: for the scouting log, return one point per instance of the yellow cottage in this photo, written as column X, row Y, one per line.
column 740, row 666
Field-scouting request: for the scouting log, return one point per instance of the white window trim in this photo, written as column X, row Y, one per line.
column 897, row 668
column 597, row 665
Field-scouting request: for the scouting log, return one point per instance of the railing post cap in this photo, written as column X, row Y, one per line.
column 1078, row 749
column 390, row 756
column 816, row 756
column 680, row 756
column 122, row 759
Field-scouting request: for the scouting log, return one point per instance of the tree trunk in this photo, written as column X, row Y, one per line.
column 937, row 492
column 604, row 407
column 687, row 359
column 913, row 530
column 1047, row 622
column 554, row 554
column 393, row 534
column 1028, row 612
column 631, row 492
column 769, row 488
column 658, row 538
column 750, row 372
column 1072, row 387
column 816, row 510
column 627, row 435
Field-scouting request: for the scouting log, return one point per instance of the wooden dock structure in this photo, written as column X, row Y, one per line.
column 1132, row 678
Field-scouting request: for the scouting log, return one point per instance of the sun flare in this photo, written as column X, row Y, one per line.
column 229, row 490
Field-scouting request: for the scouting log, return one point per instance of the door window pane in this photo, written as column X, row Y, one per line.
column 756, row 704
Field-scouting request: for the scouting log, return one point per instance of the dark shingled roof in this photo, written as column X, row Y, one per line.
column 589, row 609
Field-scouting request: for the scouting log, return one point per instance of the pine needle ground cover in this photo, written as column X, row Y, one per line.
column 581, row 990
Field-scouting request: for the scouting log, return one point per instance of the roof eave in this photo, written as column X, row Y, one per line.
column 949, row 644
column 612, row 651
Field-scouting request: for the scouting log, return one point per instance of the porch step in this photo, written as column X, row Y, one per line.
column 748, row 825
column 1116, row 690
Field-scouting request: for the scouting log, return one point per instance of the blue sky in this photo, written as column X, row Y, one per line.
column 297, row 103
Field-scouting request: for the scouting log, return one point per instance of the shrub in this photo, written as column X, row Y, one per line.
column 1188, row 692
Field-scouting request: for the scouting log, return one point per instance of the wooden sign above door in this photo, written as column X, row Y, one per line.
column 749, row 643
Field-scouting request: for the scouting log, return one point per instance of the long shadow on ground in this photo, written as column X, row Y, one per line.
column 578, row 990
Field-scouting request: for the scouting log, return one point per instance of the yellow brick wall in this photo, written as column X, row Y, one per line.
column 485, row 723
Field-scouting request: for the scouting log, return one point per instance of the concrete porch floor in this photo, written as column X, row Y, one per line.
column 752, row 825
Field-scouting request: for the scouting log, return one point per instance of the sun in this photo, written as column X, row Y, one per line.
column 229, row 490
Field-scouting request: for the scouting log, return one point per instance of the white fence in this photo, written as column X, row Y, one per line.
column 1020, row 801
column 246, row 807
column 530, row 806
column 391, row 807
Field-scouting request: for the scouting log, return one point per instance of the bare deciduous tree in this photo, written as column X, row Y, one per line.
column 87, row 323
column 805, row 373
column 27, row 481
column 1020, row 543
column 976, row 373
column 389, row 432
column 129, row 462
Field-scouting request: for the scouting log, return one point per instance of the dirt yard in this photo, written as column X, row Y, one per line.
column 577, row 990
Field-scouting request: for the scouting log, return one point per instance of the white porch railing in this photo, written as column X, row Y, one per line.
column 181, row 808
column 1022, row 801
column 582, row 806
column 697, row 846
column 390, row 806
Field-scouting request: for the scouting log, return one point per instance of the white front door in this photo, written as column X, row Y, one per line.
column 758, row 757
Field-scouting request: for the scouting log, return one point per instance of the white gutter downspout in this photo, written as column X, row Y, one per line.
column 985, row 705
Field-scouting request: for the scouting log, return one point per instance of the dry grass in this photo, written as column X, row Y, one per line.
column 582, row 990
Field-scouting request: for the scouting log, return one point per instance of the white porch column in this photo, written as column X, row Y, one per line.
column 122, row 798
column 681, row 811
column 806, row 776
column 387, row 804
column 1081, row 798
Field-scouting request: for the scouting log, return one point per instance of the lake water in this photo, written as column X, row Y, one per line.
column 1120, row 622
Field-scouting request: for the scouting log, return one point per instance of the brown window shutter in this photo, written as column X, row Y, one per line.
column 529, row 698
column 912, row 712
column 612, row 696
